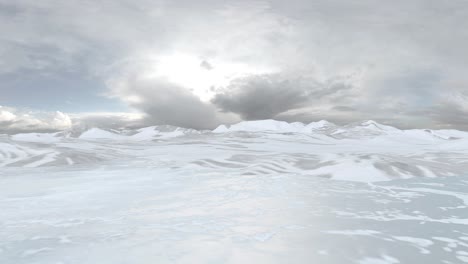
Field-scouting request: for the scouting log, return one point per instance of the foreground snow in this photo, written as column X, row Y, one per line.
column 257, row 192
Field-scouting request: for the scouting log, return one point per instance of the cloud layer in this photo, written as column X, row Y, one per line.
column 201, row 63
column 266, row 96
column 12, row 121
column 165, row 103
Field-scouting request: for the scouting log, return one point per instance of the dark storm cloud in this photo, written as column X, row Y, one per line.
column 166, row 103
column 265, row 96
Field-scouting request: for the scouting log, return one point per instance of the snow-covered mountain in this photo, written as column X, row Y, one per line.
column 141, row 134
column 365, row 151
column 363, row 130
column 274, row 126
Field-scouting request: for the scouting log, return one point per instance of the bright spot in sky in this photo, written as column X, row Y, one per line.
column 200, row 76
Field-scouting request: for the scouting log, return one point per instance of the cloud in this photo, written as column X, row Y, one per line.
column 451, row 111
column 206, row 65
column 265, row 96
column 14, row 121
column 110, row 120
column 6, row 116
column 164, row 102
column 277, row 59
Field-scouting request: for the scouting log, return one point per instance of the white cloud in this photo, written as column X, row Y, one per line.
column 20, row 120
column 14, row 120
column 6, row 116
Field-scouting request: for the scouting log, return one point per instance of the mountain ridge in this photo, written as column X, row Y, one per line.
column 364, row 129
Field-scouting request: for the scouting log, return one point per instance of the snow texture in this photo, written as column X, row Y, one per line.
column 254, row 192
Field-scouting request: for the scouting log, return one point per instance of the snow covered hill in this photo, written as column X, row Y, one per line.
column 274, row 126
column 254, row 192
column 366, row 151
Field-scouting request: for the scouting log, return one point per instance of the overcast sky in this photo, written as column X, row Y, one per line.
column 197, row 64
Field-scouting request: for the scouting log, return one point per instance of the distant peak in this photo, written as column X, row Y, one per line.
column 98, row 133
column 272, row 125
column 374, row 124
column 369, row 122
column 323, row 123
column 260, row 125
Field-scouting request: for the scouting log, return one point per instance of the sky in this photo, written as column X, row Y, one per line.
column 198, row 64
